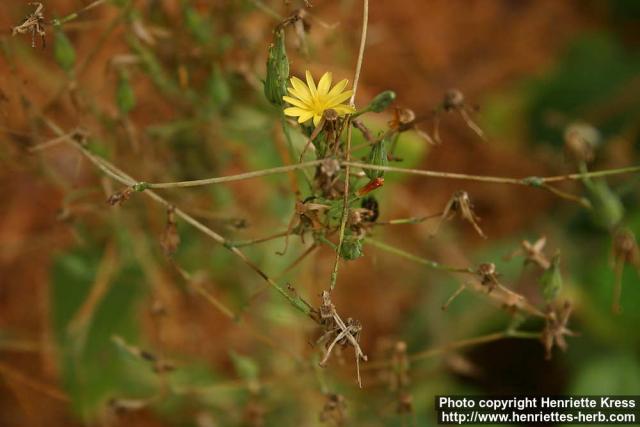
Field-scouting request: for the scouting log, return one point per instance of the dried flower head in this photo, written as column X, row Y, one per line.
column 310, row 101
column 533, row 253
column 33, row 23
column 556, row 329
column 460, row 203
column 334, row 409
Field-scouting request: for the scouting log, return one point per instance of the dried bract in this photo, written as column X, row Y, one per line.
column 33, row 23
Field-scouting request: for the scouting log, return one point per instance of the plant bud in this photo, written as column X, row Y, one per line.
column 377, row 157
column 275, row 85
column 551, row 280
column 381, row 101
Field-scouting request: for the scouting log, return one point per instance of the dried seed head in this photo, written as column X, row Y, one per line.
column 488, row 275
column 330, row 115
column 453, row 100
column 330, row 166
column 405, row 116
column 334, row 409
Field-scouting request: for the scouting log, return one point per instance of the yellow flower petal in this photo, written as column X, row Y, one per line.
column 305, row 117
column 324, row 84
column 311, row 84
column 316, row 119
column 296, row 102
column 338, row 99
column 302, row 91
column 339, row 87
column 295, row 111
column 344, row 109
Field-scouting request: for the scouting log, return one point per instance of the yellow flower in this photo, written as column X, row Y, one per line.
column 310, row 101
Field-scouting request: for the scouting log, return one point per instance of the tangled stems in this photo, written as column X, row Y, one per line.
column 120, row 176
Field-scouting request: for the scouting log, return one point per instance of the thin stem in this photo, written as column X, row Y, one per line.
column 412, row 220
column 74, row 15
column 471, row 342
column 345, row 207
column 457, row 345
column 345, row 210
column 527, row 181
column 363, row 40
column 259, row 240
column 429, row 263
column 232, row 178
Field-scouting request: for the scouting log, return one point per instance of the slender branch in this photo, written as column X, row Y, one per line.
column 527, row 181
column 74, row 15
column 427, row 262
column 259, row 240
column 457, row 345
column 231, row 178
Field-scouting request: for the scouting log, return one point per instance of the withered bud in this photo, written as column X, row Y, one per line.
column 120, row 197
column 625, row 247
column 488, row 275
column 580, row 141
column 405, row 116
column 370, row 186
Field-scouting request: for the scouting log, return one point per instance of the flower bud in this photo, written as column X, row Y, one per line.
column 580, row 141
column 381, row 101
column 275, row 85
column 551, row 280
column 377, row 157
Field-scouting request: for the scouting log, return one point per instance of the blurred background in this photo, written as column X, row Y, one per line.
column 99, row 327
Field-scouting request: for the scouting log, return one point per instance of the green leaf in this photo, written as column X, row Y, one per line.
column 125, row 97
column 63, row 51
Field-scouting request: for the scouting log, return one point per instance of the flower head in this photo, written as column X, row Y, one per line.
column 310, row 101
